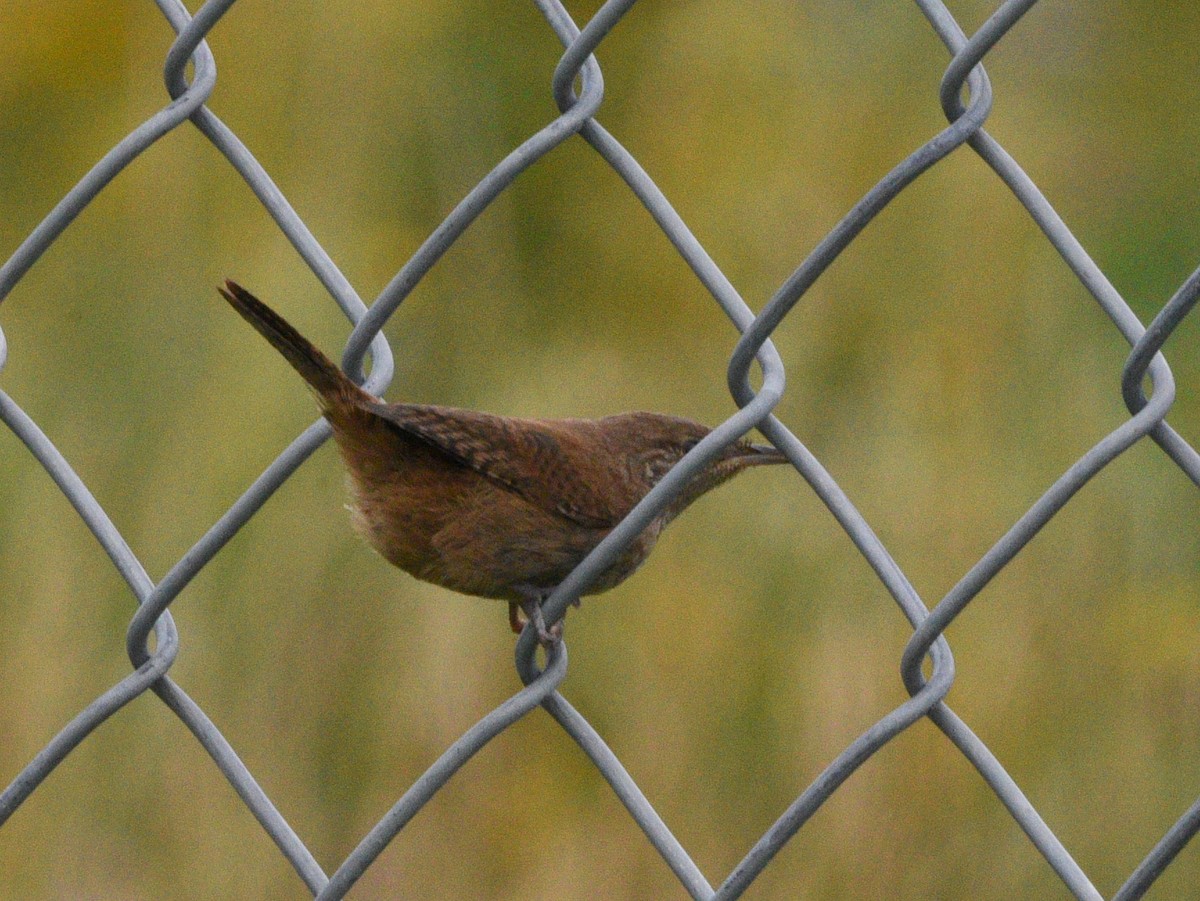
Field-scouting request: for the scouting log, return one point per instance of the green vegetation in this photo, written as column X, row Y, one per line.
column 946, row 370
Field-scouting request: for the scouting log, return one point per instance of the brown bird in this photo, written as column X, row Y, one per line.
column 490, row 505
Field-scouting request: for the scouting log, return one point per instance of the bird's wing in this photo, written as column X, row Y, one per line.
column 544, row 462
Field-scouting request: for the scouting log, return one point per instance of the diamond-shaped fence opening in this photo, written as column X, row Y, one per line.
column 927, row 666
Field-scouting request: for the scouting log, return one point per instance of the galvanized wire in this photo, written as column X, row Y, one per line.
column 577, row 64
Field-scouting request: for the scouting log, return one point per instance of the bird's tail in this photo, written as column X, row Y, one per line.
column 318, row 370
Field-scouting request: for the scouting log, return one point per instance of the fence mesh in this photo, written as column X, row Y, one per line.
column 577, row 85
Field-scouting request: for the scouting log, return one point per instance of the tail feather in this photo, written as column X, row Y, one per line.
column 317, row 369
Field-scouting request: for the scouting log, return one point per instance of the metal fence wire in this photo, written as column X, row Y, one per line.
column 964, row 78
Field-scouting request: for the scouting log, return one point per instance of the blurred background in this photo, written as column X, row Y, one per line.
column 946, row 370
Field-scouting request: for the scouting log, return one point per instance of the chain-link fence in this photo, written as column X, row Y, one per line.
column 578, row 89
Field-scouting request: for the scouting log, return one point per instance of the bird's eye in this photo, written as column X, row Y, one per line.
column 689, row 444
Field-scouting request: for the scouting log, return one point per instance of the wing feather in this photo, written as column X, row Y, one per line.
column 550, row 463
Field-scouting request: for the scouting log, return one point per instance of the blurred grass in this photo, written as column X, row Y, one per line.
column 946, row 369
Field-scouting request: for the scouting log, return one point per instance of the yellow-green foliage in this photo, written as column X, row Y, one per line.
column 946, row 370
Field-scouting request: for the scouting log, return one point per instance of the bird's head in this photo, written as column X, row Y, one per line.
column 662, row 441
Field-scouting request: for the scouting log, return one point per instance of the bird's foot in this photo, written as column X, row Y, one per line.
column 532, row 608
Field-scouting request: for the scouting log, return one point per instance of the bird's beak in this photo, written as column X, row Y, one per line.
column 762, row 454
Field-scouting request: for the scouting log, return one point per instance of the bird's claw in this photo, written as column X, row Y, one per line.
column 533, row 614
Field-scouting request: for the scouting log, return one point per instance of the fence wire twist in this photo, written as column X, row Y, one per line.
column 151, row 667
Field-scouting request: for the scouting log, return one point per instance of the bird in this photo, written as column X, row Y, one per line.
column 496, row 506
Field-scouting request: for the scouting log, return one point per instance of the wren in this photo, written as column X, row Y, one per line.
column 496, row 506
